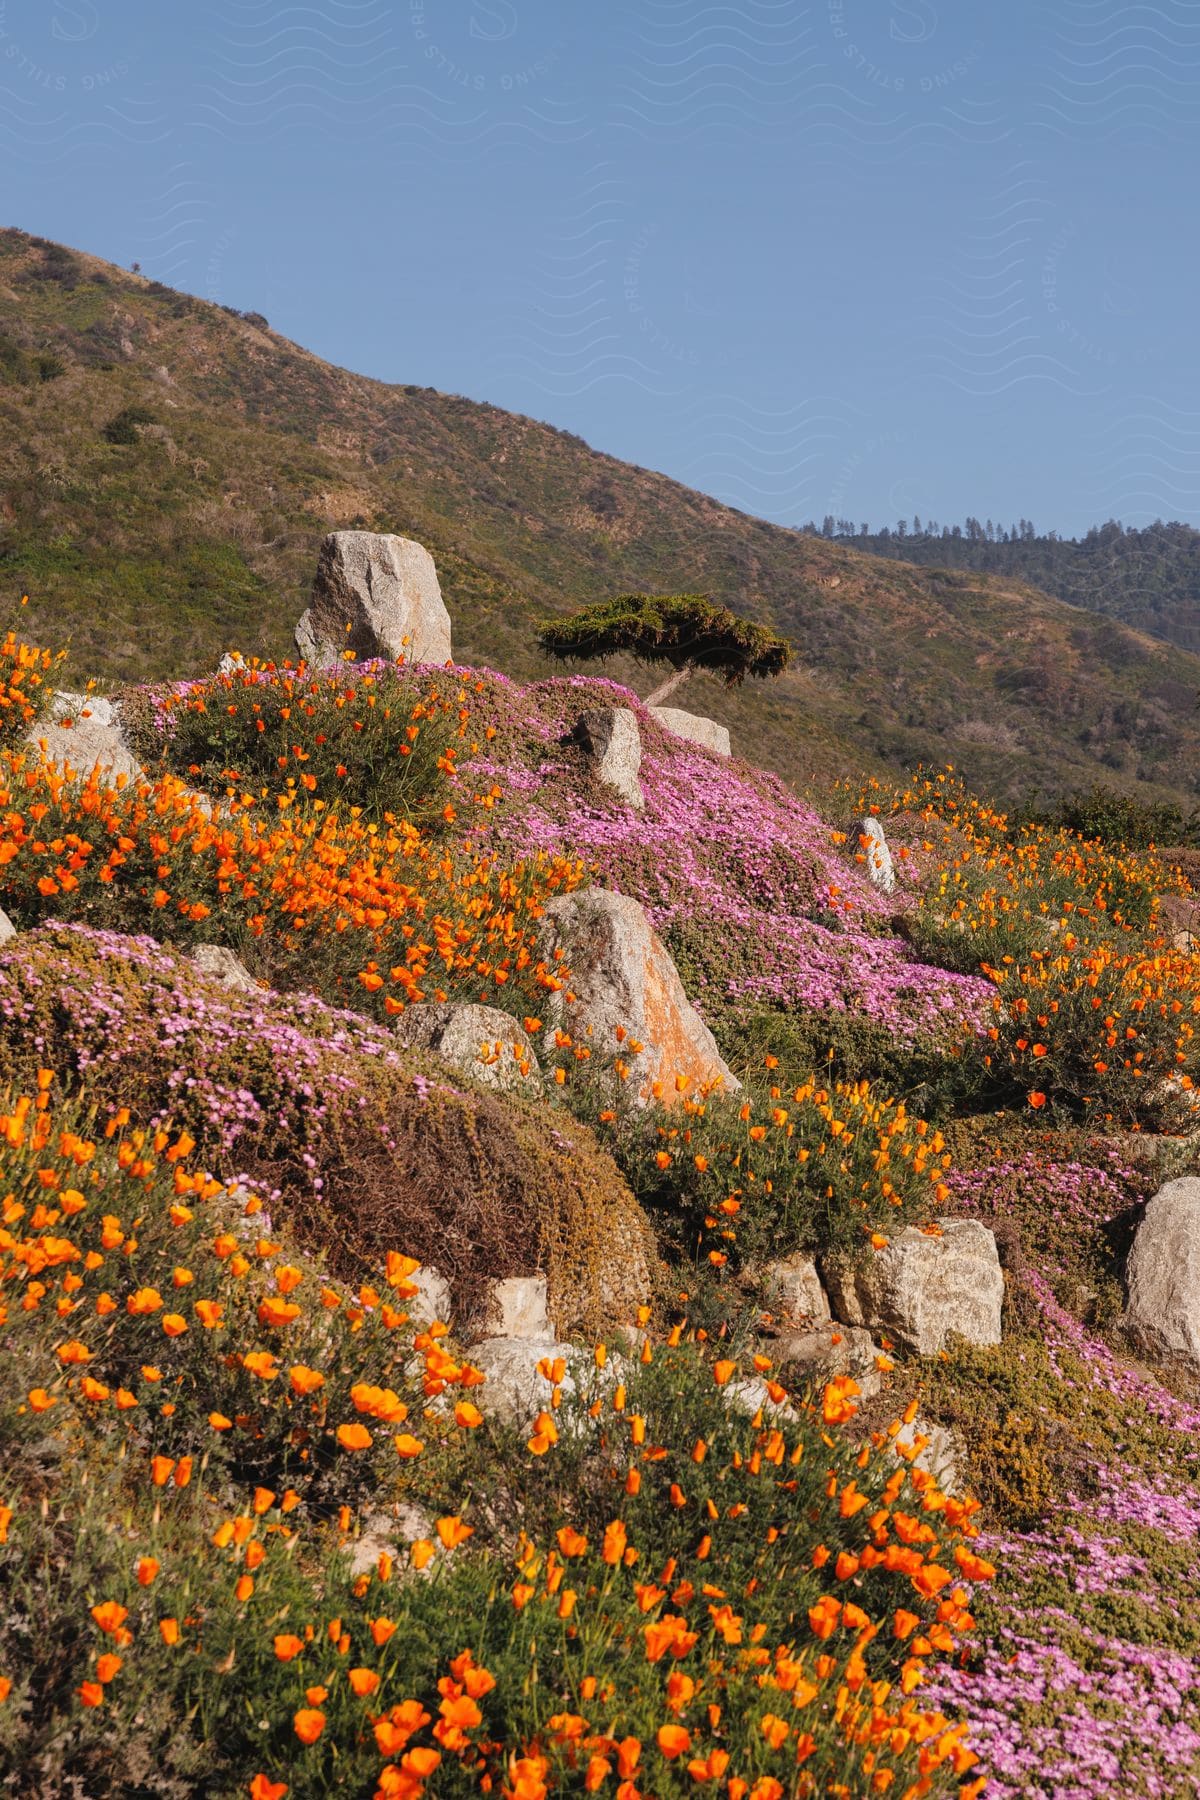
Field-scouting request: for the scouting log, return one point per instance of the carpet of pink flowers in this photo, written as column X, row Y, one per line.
column 724, row 848
column 1092, row 1680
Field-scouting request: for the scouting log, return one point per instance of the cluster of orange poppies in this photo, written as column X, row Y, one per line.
column 398, row 914
column 750, row 1611
column 1096, row 1008
column 23, row 685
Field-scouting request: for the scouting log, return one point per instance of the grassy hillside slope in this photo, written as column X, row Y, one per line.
column 167, row 470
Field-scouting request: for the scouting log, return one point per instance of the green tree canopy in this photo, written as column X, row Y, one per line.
column 688, row 631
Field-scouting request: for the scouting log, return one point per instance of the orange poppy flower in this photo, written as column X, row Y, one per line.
column 308, row 1724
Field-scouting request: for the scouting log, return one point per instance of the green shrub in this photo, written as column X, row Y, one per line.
column 122, row 428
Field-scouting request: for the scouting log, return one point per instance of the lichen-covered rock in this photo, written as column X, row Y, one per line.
column 219, row 962
column 83, row 732
column 1163, row 1273
column 924, row 1287
column 483, row 1042
column 625, row 990
column 874, row 848
column 694, row 727
column 377, row 595
column 610, row 736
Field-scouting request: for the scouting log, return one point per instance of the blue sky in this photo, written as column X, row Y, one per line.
column 862, row 257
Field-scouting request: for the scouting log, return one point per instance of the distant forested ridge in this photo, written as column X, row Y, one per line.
column 1147, row 577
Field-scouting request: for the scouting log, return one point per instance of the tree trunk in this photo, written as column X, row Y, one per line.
column 675, row 680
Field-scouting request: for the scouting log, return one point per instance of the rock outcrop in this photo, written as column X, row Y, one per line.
column 480, row 1041
column 694, row 727
column 1163, row 1273
column 377, row 595
column 925, row 1287
column 625, row 995
column 873, row 846
column 610, row 736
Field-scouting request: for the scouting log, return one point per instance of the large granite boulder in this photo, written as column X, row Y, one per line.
column 925, row 1287
column 1163, row 1273
column 377, row 595
column 624, row 991
column 480, row 1041
column 610, row 736
column 694, row 727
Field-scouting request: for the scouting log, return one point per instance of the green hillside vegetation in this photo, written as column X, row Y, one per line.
column 168, row 467
column 1148, row 578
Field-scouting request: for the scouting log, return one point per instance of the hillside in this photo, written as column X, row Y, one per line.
column 1148, row 578
column 424, row 1379
column 167, row 469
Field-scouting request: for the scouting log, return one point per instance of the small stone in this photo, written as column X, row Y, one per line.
column 514, row 1390
column 938, row 1454
column 432, row 1300
column 924, row 1287
column 374, row 594
column 818, row 1356
column 1163, row 1274
column 694, row 727
column 752, row 1396
column 388, row 1534
column 220, row 964
column 518, row 1307
column 880, row 868
column 7, row 929
column 612, row 740
column 480, row 1041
